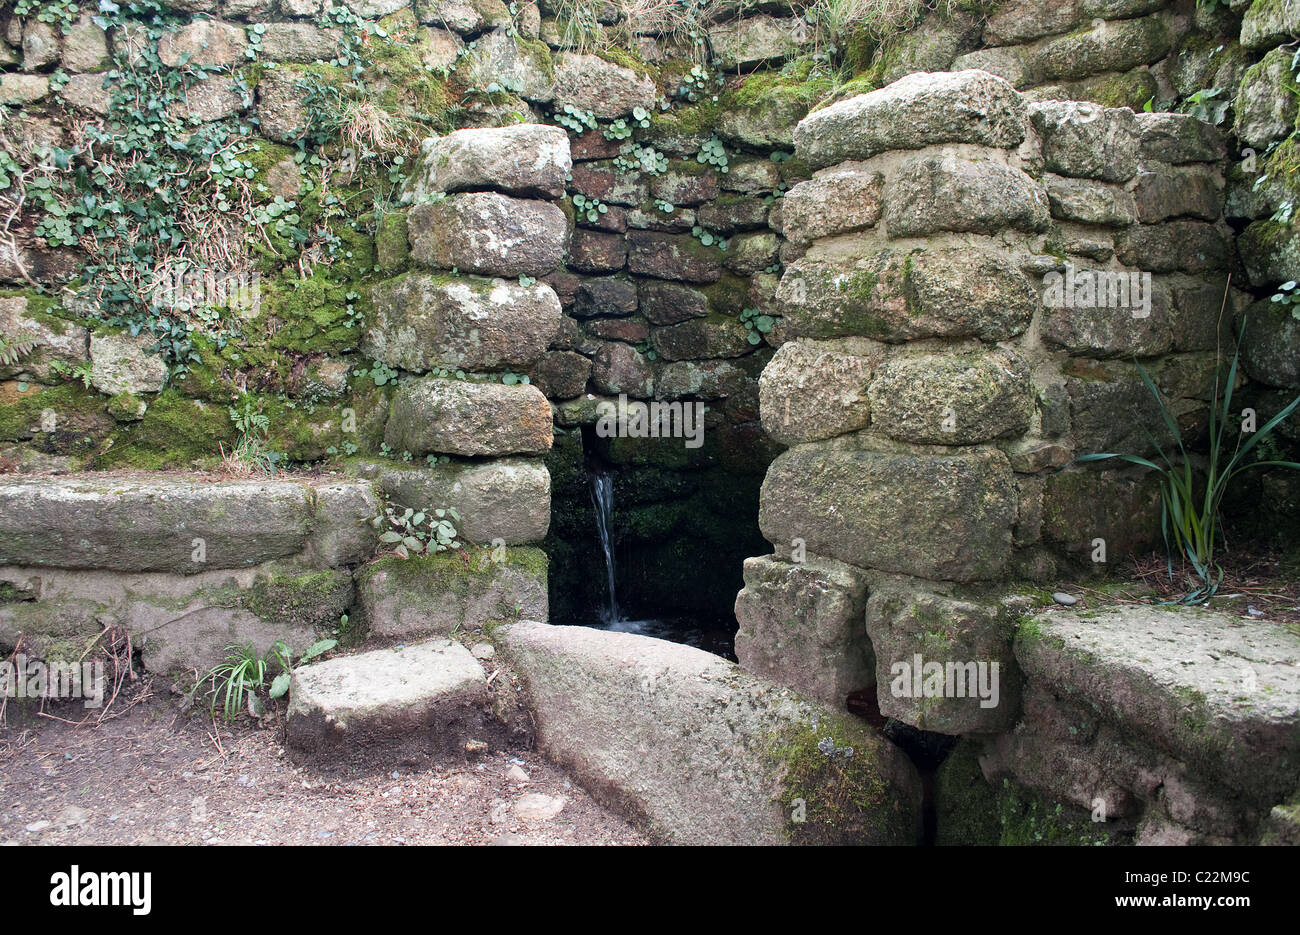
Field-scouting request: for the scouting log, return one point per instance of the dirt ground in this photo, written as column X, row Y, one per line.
column 158, row 775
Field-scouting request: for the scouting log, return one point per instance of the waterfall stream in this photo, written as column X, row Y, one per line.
column 602, row 497
column 714, row 635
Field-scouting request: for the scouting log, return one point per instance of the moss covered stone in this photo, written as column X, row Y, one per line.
column 778, row 768
column 451, row 591
column 314, row 598
column 311, row 314
column 833, row 791
column 391, row 245
column 763, row 110
column 176, row 431
column 66, row 419
column 51, row 630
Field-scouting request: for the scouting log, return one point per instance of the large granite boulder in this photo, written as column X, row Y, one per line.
column 703, row 752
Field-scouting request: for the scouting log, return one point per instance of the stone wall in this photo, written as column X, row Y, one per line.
column 944, row 361
column 653, row 285
column 181, row 567
column 941, row 363
column 850, row 265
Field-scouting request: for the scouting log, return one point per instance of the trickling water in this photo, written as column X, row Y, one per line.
column 716, row 636
column 602, row 497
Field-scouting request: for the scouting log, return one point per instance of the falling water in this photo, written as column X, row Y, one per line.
column 716, row 636
column 602, row 496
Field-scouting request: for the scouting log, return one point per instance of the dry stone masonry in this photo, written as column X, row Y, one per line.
column 185, row 566
column 963, row 240
column 951, row 342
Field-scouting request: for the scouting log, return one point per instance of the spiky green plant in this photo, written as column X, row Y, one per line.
column 237, row 681
column 1191, row 497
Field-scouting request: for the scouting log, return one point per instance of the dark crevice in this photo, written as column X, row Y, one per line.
column 926, row 749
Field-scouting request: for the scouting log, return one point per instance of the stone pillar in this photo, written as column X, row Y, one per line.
column 933, row 387
column 473, row 316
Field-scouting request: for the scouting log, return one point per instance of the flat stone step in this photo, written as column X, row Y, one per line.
column 1218, row 692
column 182, row 523
column 390, row 706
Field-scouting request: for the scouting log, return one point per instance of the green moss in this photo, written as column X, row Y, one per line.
column 392, row 248
column 1285, row 160
column 965, row 804
column 202, row 379
column 851, row 88
column 43, row 309
column 302, row 431
column 409, row 88
column 175, row 432
column 52, row 630
column 125, row 408
column 313, row 598
column 689, row 168
column 694, row 120
column 262, row 155
column 252, row 74
column 651, row 523
column 1029, row 820
column 78, row 416
column 841, row 798
column 452, row 572
column 1263, row 237
column 1030, row 630
column 628, row 59
column 1131, row 89
column 9, row 594
column 770, row 88
column 542, row 53
column 862, row 293
column 310, row 315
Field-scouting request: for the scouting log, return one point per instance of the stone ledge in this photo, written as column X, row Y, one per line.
column 437, row 595
column 1220, row 693
column 182, row 523
column 914, row 112
column 179, row 623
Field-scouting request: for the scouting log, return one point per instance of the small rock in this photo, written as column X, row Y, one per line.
column 71, row 816
column 538, row 807
column 516, row 774
column 38, row 826
column 1061, row 597
column 483, row 651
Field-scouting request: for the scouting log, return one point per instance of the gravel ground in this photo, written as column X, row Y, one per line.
column 157, row 775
